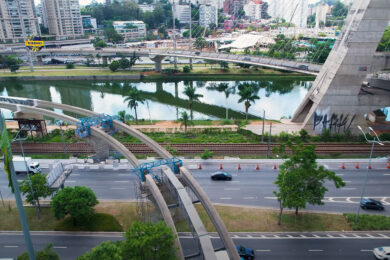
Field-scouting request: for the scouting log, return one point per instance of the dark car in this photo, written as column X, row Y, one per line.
column 223, row 176
column 245, row 252
column 367, row 203
column 303, row 67
column 247, row 58
column 197, row 52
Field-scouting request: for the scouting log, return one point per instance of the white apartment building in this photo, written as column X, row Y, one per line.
column 130, row 30
column 295, row 11
column 255, row 10
column 43, row 15
column 208, row 14
column 321, row 12
column 18, row 20
column 64, row 18
column 182, row 13
column 146, row 7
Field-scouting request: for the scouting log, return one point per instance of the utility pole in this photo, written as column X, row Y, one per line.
column 190, row 41
column 174, row 31
column 18, row 198
column 262, row 134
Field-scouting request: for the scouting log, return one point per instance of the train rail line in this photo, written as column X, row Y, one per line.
column 192, row 149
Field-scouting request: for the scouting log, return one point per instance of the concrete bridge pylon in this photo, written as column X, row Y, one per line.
column 337, row 101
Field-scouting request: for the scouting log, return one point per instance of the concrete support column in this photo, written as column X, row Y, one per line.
column 157, row 62
column 105, row 59
column 100, row 146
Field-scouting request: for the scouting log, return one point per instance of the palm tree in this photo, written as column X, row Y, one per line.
column 123, row 116
column 189, row 91
column 248, row 93
column 185, row 120
column 226, row 89
column 133, row 98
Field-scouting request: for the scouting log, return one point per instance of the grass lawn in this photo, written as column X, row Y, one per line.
column 71, row 72
column 368, row 222
column 99, row 222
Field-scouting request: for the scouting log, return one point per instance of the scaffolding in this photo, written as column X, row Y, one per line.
column 145, row 168
column 103, row 121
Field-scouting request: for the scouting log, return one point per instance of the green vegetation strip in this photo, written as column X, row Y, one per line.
column 368, row 222
column 99, row 222
column 53, row 73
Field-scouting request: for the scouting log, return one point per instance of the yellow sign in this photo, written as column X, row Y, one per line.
column 34, row 43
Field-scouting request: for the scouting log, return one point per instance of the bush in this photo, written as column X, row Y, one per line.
column 207, row 154
column 45, row 254
column 368, row 222
column 303, row 135
column 98, row 222
column 69, row 65
column 170, row 71
column 14, row 68
column 385, row 137
column 114, row 66
column 186, row 69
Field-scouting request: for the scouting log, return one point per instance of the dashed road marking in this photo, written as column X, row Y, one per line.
column 75, row 174
column 249, row 198
column 348, row 188
column 117, row 188
column 11, row 246
column 231, row 189
column 122, row 181
column 225, row 198
column 386, row 174
column 340, row 174
column 347, row 181
column 366, row 250
column 69, row 181
column 60, row 247
column 315, row 250
column 263, row 250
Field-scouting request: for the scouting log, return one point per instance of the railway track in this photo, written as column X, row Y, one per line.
column 196, row 149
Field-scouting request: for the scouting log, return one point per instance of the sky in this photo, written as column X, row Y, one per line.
column 85, row 2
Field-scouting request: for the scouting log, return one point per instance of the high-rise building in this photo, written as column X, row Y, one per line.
column 182, row 13
column 18, row 20
column 43, row 15
column 321, row 12
column 208, row 14
column 294, row 11
column 256, row 10
column 64, row 18
column 234, row 7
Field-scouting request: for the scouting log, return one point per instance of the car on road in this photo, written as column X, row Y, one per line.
column 245, row 252
column 197, row 52
column 199, row 61
column 303, row 67
column 382, row 252
column 367, row 203
column 247, row 58
column 221, row 176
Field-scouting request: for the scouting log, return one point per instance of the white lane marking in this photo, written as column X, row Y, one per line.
column 348, row 188
column 249, row 198
column 340, row 174
column 383, row 235
column 11, row 246
column 365, row 250
column 386, row 174
column 326, row 166
column 263, row 250
column 122, row 181
column 230, row 181
column 231, row 189
column 347, row 181
column 118, row 188
column 75, row 174
column 225, row 198
column 69, row 181
column 60, row 247
column 315, row 250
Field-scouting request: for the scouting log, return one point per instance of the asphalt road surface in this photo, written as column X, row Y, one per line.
column 342, row 246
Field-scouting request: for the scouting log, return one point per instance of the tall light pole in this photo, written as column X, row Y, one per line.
column 18, row 199
column 372, row 142
column 174, row 31
column 190, row 39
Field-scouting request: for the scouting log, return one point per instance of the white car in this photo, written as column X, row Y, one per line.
column 382, row 253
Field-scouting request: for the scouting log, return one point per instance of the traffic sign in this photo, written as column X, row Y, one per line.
column 34, row 43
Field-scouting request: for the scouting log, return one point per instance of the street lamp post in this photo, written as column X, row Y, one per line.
column 373, row 142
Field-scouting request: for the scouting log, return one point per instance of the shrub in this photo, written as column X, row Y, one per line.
column 14, row 68
column 170, row 71
column 207, row 154
column 368, row 222
column 114, row 66
column 45, row 254
column 70, row 66
column 186, row 69
column 303, row 135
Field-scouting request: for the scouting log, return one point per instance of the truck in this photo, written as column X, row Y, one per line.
column 20, row 165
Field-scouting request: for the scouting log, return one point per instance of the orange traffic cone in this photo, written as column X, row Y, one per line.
column 257, row 167
column 388, row 165
column 239, row 167
column 275, row 167
column 369, row 166
column 357, row 166
column 220, row 167
column 200, row 166
column 343, row 166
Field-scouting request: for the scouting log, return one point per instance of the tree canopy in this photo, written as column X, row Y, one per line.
column 46, row 254
column 39, row 188
column 384, row 44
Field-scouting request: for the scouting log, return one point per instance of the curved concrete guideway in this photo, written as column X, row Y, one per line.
column 213, row 214
column 119, row 147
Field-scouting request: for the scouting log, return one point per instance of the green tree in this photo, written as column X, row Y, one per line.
column 123, row 116
column 207, row 154
column 339, row 9
column 148, row 241
column 200, row 43
column 190, row 92
column 108, row 250
column 226, row 89
column 124, row 63
column 98, row 43
column 114, row 66
column 133, row 98
column 320, row 52
column 45, row 254
column 301, row 181
column 185, row 120
column 39, row 186
column 248, row 93
column 69, row 65
column 78, row 202
column 384, row 44
column 11, row 62
column 223, row 64
column 186, row 69
column 112, row 35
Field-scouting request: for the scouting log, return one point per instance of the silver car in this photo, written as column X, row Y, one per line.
column 382, row 253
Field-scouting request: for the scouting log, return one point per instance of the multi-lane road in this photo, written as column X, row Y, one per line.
column 294, row 246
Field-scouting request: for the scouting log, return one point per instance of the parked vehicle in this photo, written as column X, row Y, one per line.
column 367, row 203
column 247, row 58
column 382, row 253
column 223, row 176
column 20, row 165
column 245, row 252
column 197, row 52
